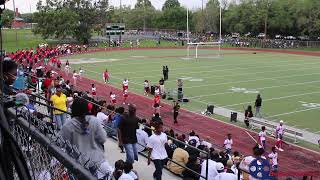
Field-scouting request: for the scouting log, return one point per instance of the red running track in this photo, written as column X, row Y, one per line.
column 293, row 159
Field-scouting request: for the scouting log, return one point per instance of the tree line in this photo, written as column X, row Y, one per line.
column 79, row 18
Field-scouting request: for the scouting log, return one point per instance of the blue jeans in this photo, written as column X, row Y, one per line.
column 131, row 152
column 158, row 164
column 264, row 144
column 60, row 120
column 228, row 151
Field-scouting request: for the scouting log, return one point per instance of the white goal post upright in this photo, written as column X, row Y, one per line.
column 212, row 44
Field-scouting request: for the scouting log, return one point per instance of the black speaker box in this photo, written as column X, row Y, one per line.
column 233, row 117
column 185, row 100
column 210, row 109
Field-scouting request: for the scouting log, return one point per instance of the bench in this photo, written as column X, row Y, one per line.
column 271, row 129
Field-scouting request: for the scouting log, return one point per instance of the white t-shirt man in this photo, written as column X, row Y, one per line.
column 102, row 117
column 274, row 158
column 142, row 138
column 125, row 176
column 212, row 170
column 228, row 144
column 157, row 143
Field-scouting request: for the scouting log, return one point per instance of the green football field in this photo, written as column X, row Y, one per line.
column 288, row 84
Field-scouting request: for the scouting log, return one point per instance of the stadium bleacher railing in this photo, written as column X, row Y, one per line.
column 46, row 154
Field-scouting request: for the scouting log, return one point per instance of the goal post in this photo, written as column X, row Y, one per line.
column 204, row 50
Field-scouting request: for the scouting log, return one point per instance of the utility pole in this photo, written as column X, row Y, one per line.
column 203, row 18
column 144, row 16
column 202, row 6
column 15, row 13
column 188, row 25
column 121, row 11
column 220, row 38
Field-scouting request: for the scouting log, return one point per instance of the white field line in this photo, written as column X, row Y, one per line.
column 292, row 112
column 271, row 99
column 140, row 84
column 253, row 73
column 269, row 87
column 164, row 57
column 199, row 67
column 224, row 70
column 253, row 80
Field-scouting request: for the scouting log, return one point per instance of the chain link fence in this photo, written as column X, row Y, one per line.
column 47, row 155
column 271, row 43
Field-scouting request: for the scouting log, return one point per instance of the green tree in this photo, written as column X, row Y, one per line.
column 7, row 18
column 212, row 16
column 168, row 4
column 142, row 4
column 173, row 18
column 74, row 18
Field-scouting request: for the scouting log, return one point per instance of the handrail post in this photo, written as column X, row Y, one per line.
column 207, row 166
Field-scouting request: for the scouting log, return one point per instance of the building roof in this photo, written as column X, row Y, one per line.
column 18, row 19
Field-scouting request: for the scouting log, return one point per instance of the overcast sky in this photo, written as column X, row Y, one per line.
column 25, row 6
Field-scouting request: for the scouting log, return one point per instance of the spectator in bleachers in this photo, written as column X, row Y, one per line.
column 170, row 147
column 128, row 137
column 128, row 172
column 9, row 75
column 181, row 157
column 156, row 118
column 194, row 165
column 59, row 101
column 102, row 115
column 212, row 170
column 82, row 129
column 192, row 151
column 20, row 82
column 157, row 151
column 192, row 135
column 222, row 175
column 142, row 138
column 116, row 120
column 118, row 169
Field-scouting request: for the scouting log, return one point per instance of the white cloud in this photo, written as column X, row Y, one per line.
column 25, row 6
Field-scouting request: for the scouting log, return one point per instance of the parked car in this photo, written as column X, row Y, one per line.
column 261, row 35
column 303, row 38
column 290, row 38
column 248, row 34
column 235, row 35
column 278, row 36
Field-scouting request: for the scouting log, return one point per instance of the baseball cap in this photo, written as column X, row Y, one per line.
column 281, row 121
column 192, row 142
column 219, row 166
